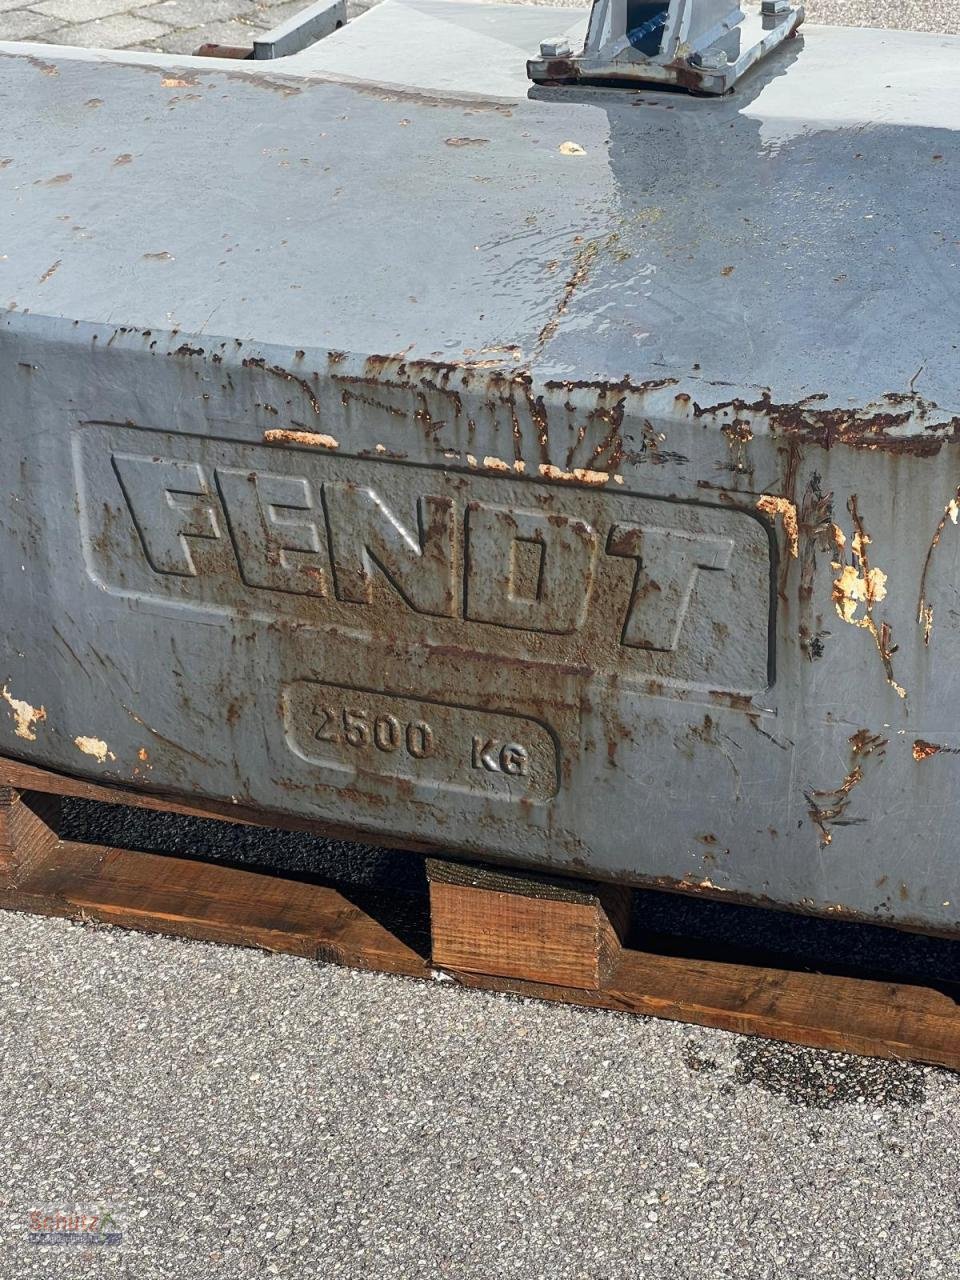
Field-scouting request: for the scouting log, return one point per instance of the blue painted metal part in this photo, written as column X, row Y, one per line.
column 640, row 35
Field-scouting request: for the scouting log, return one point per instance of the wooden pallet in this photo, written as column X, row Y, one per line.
column 505, row 931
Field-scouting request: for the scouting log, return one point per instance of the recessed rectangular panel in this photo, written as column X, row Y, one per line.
column 675, row 595
column 350, row 732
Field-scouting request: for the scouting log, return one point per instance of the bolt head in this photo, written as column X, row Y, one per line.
column 558, row 47
column 710, row 61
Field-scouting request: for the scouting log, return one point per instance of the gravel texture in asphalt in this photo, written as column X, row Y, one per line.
column 242, row 1114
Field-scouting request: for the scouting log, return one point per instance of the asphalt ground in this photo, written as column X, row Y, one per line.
column 908, row 15
column 239, row 1114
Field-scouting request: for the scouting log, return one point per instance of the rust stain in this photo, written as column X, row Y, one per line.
column 870, row 426
column 177, row 82
column 787, row 511
column 924, row 750
column 925, row 610
column 583, row 262
column 162, row 256
column 827, row 809
column 57, row 180
column 25, row 716
column 278, row 371
column 466, row 142
column 123, row 159
column 51, row 270
column 737, row 435
column 859, row 586
column 312, row 439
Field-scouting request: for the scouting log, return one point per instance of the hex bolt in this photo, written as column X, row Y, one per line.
column 558, row 47
column 715, row 61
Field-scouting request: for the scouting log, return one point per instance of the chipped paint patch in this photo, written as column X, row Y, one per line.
column 854, row 587
column 858, row 585
column 581, row 474
column 571, row 149
column 95, row 747
column 498, row 464
column 924, row 750
column 787, row 511
column 313, row 439
column 27, row 718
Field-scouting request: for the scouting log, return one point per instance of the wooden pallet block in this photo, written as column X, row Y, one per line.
column 28, row 827
column 520, row 925
column 480, row 922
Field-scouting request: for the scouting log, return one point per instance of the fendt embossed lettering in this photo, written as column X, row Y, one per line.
column 620, row 582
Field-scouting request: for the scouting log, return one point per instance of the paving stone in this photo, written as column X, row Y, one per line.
column 274, row 14
column 76, row 11
column 24, row 24
column 189, row 13
column 120, row 31
column 190, row 39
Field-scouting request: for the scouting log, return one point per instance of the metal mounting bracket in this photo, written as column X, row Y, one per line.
column 701, row 45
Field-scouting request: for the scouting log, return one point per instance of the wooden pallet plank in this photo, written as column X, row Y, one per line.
column 822, row 1011
column 210, row 902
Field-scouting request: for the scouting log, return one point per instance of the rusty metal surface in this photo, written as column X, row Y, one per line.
column 594, row 518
